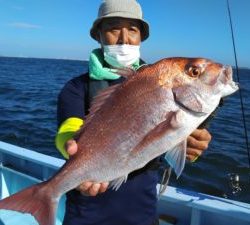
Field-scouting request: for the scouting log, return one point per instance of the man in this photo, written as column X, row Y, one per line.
column 120, row 30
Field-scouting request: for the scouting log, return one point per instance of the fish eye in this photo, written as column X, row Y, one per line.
column 194, row 71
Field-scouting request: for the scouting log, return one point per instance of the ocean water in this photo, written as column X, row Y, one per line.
column 28, row 97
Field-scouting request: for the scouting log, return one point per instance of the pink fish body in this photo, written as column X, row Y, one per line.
column 152, row 112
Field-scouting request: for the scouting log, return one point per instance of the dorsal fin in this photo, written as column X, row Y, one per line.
column 99, row 100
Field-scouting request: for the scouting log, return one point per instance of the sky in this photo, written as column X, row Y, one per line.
column 186, row 28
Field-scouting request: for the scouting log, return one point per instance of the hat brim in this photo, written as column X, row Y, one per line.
column 144, row 27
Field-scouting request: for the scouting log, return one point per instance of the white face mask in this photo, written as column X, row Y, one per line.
column 121, row 55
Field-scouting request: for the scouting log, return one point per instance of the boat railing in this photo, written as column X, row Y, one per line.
column 29, row 162
column 20, row 168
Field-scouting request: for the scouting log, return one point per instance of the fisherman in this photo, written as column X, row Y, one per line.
column 120, row 29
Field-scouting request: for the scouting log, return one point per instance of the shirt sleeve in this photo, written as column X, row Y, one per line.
column 70, row 112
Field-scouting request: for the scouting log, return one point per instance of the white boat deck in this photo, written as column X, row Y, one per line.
column 20, row 168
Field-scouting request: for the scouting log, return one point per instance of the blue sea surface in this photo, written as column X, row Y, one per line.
column 28, row 96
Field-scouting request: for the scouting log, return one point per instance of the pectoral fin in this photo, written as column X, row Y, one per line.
column 176, row 157
column 157, row 141
column 157, row 133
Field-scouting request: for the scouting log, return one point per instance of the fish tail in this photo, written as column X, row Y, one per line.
column 35, row 200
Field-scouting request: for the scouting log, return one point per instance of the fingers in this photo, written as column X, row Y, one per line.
column 202, row 135
column 71, row 147
column 92, row 189
column 193, row 154
column 86, row 188
column 197, row 143
column 104, row 187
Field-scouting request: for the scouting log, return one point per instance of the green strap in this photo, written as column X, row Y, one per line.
column 98, row 71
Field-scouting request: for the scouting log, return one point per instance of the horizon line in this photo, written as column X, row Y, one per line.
column 83, row 60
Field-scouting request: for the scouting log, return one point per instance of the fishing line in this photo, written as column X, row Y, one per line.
column 238, row 80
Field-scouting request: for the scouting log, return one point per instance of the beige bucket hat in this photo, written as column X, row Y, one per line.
column 120, row 8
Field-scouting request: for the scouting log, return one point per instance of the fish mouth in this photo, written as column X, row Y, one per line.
column 235, row 85
column 226, row 78
column 226, row 75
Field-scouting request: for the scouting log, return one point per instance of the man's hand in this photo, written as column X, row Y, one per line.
column 86, row 188
column 197, row 142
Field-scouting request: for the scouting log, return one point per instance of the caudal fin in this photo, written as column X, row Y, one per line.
column 36, row 200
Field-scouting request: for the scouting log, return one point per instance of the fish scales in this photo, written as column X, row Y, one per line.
column 129, row 122
column 152, row 112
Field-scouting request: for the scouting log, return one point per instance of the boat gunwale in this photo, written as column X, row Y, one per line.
column 193, row 201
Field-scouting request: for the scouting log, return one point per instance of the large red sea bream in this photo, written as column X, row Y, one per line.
column 153, row 111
